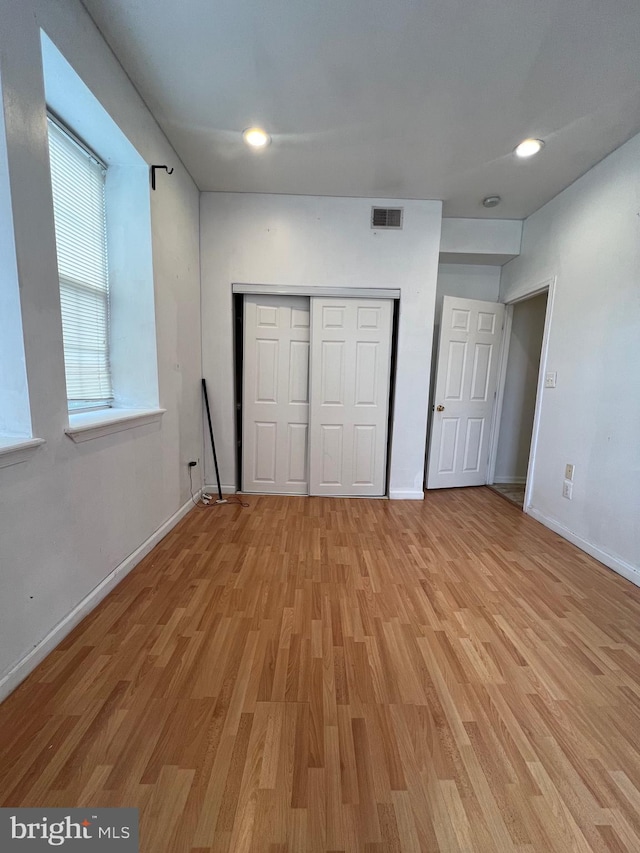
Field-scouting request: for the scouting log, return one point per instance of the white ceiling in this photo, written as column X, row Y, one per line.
column 396, row 99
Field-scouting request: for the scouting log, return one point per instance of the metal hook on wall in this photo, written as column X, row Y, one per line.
column 153, row 174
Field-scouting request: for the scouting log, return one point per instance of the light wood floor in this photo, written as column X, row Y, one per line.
column 341, row 675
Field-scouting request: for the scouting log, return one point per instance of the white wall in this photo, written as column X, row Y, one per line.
column 73, row 513
column 519, row 402
column 15, row 417
column 480, row 241
column 305, row 240
column 468, row 281
column 589, row 237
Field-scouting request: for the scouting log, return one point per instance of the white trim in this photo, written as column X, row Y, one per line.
column 520, row 295
column 527, row 291
column 312, row 290
column 503, row 360
column 213, row 491
column 16, row 450
column 29, row 662
column 87, row 425
column 399, row 495
column 518, row 481
column 226, row 490
column 550, row 286
column 631, row 573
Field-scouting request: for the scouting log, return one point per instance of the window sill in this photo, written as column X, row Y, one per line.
column 16, row 450
column 88, row 425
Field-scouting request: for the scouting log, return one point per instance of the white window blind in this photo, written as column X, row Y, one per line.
column 81, row 241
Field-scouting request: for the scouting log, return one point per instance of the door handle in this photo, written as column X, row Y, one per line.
column 439, row 408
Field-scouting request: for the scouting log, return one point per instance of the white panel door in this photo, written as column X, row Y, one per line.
column 350, row 363
column 464, row 401
column 275, row 413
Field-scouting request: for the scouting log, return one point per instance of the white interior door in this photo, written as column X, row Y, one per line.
column 350, row 363
column 275, row 416
column 466, row 376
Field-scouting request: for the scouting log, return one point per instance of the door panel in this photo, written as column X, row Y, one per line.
column 264, row 467
column 297, row 454
column 266, row 371
column 481, row 372
column 473, row 445
column 332, row 373
column 275, row 413
column 366, row 373
column 299, row 372
column 364, row 446
column 330, row 454
column 455, row 370
column 350, row 363
column 448, row 443
column 466, row 377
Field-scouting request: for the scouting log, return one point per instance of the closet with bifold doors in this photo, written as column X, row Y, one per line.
column 315, row 394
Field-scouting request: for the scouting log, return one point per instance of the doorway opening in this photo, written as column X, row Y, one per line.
column 519, row 386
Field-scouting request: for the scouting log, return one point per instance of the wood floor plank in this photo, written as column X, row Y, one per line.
column 317, row 674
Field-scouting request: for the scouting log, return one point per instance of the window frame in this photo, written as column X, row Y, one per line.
column 134, row 352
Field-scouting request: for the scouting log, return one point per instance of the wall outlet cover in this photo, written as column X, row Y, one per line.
column 568, row 471
column 567, row 490
column 550, row 379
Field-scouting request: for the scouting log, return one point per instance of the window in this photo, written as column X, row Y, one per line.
column 78, row 184
column 107, row 284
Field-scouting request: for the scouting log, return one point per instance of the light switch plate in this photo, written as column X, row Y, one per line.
column 550, row 380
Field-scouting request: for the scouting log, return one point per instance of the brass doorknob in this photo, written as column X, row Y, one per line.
column 439, row 408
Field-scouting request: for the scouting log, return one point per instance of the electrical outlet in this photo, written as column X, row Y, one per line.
column 567, row 490
column 568, row 471
column 550, row 379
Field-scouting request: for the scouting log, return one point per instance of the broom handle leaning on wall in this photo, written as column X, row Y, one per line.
column 213, row 444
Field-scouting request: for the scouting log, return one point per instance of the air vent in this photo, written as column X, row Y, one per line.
column 386, row 217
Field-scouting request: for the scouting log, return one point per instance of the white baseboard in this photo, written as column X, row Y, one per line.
column 226, row 490
column 516, row 480
column 400, row 495
column 27, row 664
column 631, row 573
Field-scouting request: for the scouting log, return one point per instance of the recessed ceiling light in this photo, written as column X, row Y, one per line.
column 529, row 147
column 256, row 137
column 491, row 201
